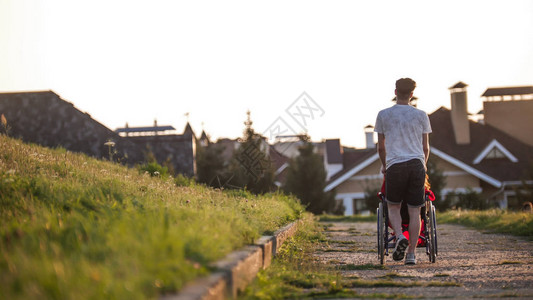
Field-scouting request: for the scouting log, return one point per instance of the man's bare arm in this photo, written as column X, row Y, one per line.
column 382, row 152
column 425, row 144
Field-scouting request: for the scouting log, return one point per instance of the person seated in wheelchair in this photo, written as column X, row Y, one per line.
column 403, row 148
column 405, row 214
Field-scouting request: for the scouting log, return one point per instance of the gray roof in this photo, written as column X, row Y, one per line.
column 508, row 91
column 144, row 129
column 459, row 85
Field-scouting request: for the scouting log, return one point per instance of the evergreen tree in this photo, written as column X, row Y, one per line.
column 250, row 167
column 306, row 179
column 371, row 198
column 524, row 192
column 210, row 165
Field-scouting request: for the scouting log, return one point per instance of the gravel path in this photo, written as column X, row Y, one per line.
column 470, row 264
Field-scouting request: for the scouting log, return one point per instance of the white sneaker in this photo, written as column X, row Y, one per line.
column 401, row 245
column 410, row 259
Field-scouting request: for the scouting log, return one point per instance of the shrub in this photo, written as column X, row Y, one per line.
column 468, row 200
column 182, row 180
column 154, row 169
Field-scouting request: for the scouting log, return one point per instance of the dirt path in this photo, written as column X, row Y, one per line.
column 470, row 264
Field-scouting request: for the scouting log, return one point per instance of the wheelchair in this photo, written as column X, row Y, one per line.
column 428, row 229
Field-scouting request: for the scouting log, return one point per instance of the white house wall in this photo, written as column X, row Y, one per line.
column 352, row 190
column 332, row 169
column 368, row 178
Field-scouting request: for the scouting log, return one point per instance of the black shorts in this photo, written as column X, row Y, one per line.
column 405, row 182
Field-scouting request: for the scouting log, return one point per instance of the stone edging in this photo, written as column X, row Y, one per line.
column 237, row 269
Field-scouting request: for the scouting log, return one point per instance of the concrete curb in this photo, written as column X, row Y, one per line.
column 237, row 269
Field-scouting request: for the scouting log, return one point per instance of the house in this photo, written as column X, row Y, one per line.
column 487, row 157
column 501, row 103
column 46, row 119
column 175, row 150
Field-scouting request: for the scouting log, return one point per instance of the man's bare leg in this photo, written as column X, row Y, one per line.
column 414, row 228
column 402, row 243
column 395, row 218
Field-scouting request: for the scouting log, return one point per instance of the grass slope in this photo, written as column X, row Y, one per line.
column 76, row 227
column 495, row 220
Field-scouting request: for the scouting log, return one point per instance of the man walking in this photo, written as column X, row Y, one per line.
column 403, row 147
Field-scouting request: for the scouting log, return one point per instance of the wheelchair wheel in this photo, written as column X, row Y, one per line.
column 432, row 234
column 433, row 209
column 381, row 233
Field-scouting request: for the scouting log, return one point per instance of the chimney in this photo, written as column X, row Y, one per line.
column 369, row 134
column 333, row 157
column 460, row 124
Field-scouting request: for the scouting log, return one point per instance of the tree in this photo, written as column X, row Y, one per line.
column 250, row 167
column 306, row 179
column 524, row 192
column 371, row 198
column 210, row 165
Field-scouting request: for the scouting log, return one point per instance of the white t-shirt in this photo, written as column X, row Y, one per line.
column 403, row 127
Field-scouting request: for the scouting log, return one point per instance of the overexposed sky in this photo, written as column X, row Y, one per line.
column 136, row 61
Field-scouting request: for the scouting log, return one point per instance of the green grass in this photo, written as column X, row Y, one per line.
column 383, row 283
column 340, row 242
column 354, row 218
column 294, row 273
column 352, row 267
column 75, row 227
column 443, row 284
column 498, row 221
column 393, row 275
column 509, row 262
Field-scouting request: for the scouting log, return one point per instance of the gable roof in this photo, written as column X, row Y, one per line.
column 353, row 162
column 204, row 136
column 481, row 136
column 492, row 146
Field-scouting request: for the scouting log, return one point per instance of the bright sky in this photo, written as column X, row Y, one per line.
column 136, row 61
